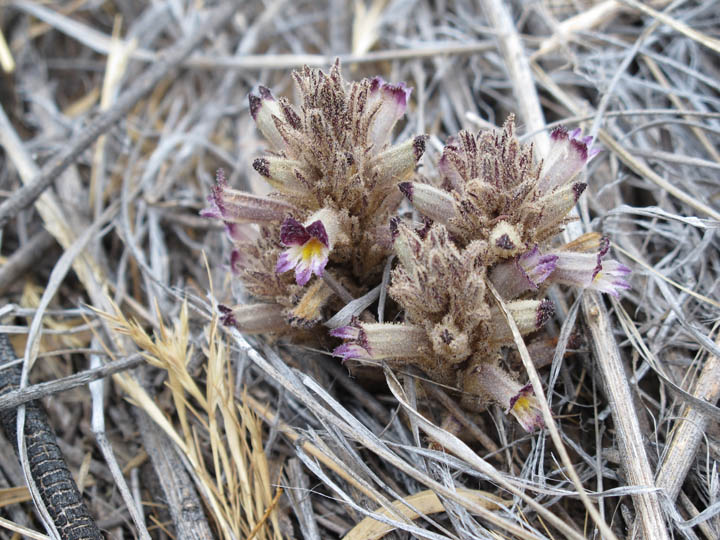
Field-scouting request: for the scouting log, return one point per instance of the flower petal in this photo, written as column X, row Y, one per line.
column 264, row 109
column 317, row 230
column 567, row 155
column 351, row 350
column 610, row 278
column 525, row 407
column 393, row 100
column 303, row 273
column 287, row 260
column 346, row 332
column 293, row 233
column 525, row 273
column 589, row 270
column 308, row 247
column 536, row 266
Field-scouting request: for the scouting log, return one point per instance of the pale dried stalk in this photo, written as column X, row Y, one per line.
column 588, row 19
column 700, row 134
column 102, row 43
column 427, row 501
column 115, row 68
column 48, row 206
column 23, row 258
column 19, row 529
column 583, row 21
column 270, row 417
column 37, row 181
column 97, row 425
column 36, row 391
column 689, row 431
column 678, row 26
column 182, row 500
column 529, row 110
column 617, row 390
column 7, row 62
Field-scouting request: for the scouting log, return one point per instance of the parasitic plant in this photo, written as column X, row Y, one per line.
column 491, row 216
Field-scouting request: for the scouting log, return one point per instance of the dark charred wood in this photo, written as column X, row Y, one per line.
column 47, row 466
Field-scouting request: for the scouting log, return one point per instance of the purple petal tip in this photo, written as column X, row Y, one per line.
column 292, row 233
column 544, row 313
column 406, row 188
column 559, row 133
column 317, row 230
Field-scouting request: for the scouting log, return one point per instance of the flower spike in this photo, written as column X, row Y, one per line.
column 488, row 217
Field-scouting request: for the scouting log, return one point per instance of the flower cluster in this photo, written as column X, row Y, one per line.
column 489, row 218
column 334, row 172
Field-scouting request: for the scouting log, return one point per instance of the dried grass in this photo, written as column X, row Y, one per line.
column 274, row 440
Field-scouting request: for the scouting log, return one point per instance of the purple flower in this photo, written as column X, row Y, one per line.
column 216, row 210
column 379, row 341
column 536, row 267
column 610, row 278
column 524, row 273
column 237, row 207
column 392, row 100
column 492, row 382
column 349, row 351
column 350, row 331
column 589, row 270
column 308, row 249
column 525, row 407
column 567, row 155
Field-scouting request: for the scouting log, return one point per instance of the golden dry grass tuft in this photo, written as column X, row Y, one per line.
column 214, row 428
